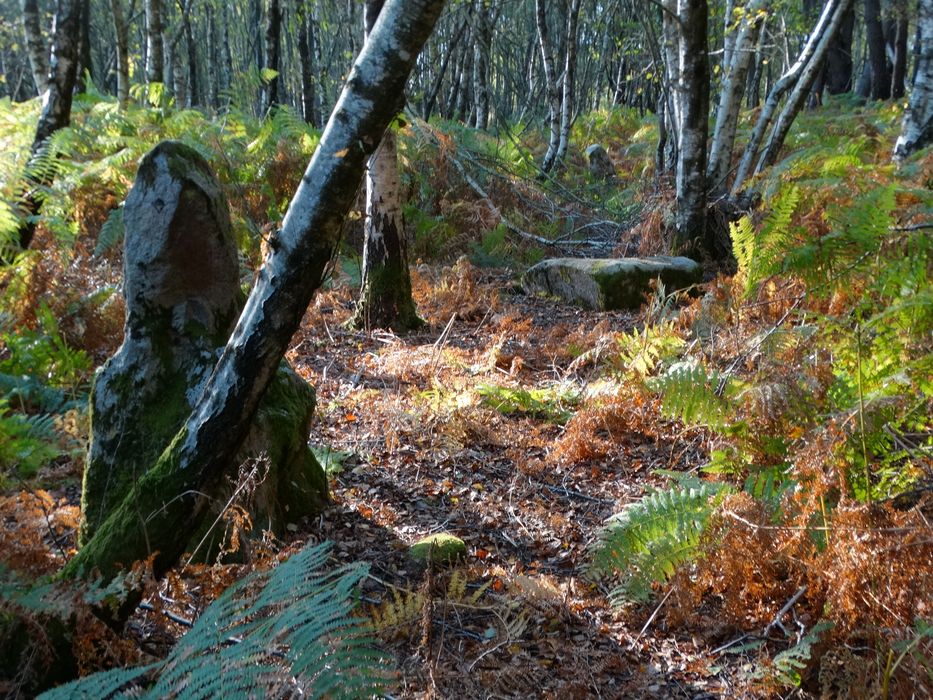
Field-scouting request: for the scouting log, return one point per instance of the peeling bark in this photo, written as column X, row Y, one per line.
column 694, row 91
column 385, row 297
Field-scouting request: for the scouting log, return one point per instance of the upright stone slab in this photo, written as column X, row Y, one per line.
column 182, row 290
column 609, row 283
column 601, row 166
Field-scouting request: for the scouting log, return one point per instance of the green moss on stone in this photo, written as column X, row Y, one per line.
column 442, row 548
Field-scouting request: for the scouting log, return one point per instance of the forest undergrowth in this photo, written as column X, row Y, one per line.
column 725, row 494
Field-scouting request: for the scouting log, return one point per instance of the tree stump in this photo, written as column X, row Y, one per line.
column 183, row 297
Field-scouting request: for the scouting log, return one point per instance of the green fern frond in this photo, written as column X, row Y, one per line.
column 769, row 485
column 284, row 631
column 689, row 393
column 761, row 253
column 645, row 543
column 641, row 352
column 785, row 669
column 111, row 233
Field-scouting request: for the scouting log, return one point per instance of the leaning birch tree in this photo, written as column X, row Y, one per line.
column 798, row 77
column 55, row 115
column 167, row 499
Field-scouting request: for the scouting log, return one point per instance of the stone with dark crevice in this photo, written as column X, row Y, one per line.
column 183, row 296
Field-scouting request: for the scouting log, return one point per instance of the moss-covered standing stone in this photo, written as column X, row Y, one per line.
column 606, row 284
column 181, row 283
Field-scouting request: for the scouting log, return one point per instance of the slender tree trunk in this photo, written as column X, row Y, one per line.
column 270, row 90
column 837, row 73
column 694, row 88
column 801, row 88
column 787, row 81
column 482, row 39
column 226, row 54
column 85, row 65
column 154, row 55
column 36, row 46
column 306, row 59
column 191, row 91
column 550, row 85
column 899, row 66
column 570, row 68
column 465, row 86
column 730, row 96
column 874, row 37
column 917, row 127
column 385, row 298
column 431, row 98
column 754, row 78
column 167, row 496
column 213, row 60
column 56, row 111
column 121, row 33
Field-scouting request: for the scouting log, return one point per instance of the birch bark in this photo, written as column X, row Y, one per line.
column 780, row 88
column 917, row 127
column 35, row 45
column 385, row 297
column 550, row 85
column 744, row 33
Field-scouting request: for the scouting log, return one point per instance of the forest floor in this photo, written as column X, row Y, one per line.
column 426, row 438
column 430, row 455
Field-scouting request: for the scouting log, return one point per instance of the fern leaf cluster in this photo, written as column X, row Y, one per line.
column 285, row 632
column 645, row 543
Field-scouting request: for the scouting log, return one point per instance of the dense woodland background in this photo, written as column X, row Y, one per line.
column 723, row 494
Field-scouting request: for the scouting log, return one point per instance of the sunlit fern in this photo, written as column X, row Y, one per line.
column 646, row 542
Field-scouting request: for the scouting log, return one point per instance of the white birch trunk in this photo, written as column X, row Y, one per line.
column 802, row 87
column 917, row 127
column 167, row 495
column 740, row 40
column 784, row 83
column 570, row 67
column 550, row 85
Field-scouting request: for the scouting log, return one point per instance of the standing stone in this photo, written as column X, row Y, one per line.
column 601, row 167
column 183, row 296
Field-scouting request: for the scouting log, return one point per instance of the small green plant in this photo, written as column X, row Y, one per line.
column 785, row 669
column 27, row 442
column 550, row 403
column 646, row 542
